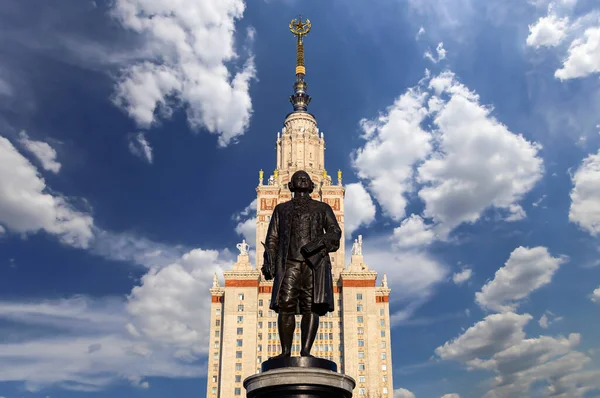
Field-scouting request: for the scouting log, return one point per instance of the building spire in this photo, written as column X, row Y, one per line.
column 300, row 99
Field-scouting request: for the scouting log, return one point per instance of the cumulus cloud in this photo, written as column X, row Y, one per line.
column 413, row 233
column 462, row 276
column 548, row 31
column 44, row 153
column 525, row 271
column 359, row 209
column 140, row 147
column 454, row 395
column 596, row 296
column 91, row 344
column 498, row 344
column 246, row 226
column 403, row 393
column 192, row 47
column 26, row 206
column 583, row 58
column 547, row 319
column 477, row 162
column 585, row 196
column 420, row 33
column 440, row 51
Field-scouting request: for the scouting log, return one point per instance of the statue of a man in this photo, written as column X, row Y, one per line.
column 301, row 233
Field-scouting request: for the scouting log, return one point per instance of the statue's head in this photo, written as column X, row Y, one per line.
column 301, row 182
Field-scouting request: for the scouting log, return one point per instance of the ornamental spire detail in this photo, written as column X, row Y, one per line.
column 300, row 99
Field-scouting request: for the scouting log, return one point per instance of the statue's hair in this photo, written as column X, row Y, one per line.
column 291, row 185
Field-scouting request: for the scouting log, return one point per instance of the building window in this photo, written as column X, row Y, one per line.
column 382, row 322
column 383, row 355
column 260, row 302
column 384, row 378
column 361, row 354
column 218, row 312
column 241, row 296
column 237, row 391
column 238, row 367
column 360, row 319
column 382, row 333
column 218, row 322
column 359, row 308
column 216, row 355
column 260, row 325
column 241, row 308
column 260, row 313
column 361, row 343
column 362, row 379
column 385, row 390
column 217, row 333
column 359, row 296
column 383, row 344
column 239, row 342
column 381, row 312
column 214, row 379
column 260, row 336
column 238, row 354
column 361, row 366
column 362, row 391
column 240, row 319
column 361, row 331
column 384, row 367
column 259, row 348
column 214, row 390
column 216, row 344
column 240, row 331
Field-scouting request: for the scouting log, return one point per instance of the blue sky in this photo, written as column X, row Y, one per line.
column 132, row 132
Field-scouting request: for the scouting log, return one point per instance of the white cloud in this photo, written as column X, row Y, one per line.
column 462, row 276
column 548, row 31
column 170, row 305
column 525, row 271
column 596, row 295
column 395, row 142
column 479, row 163
column 420, row 33
column 44, row 153
column 85, row 347
column 89, row 344
column 548, row 318
column 440, row 51
column 139, row 146
column 413, row 275
column 27, row 207
column 584, row 56
column 454, row 395
column 585, row 196
column 246, row 226
column 498, row 344
column 403, row 393
column 413, row 233
column 359, row 209
column 192, row 46
column 543, row 321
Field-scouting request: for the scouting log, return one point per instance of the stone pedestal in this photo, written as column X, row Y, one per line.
column 299, row 377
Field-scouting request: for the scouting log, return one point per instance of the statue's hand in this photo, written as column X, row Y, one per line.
column 266, row 271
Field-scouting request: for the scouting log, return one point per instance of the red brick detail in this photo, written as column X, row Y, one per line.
column 241, row 283
column 337, row 289
column 382, row 299
column 217, row 299
column 265, row 289
column 358, row 282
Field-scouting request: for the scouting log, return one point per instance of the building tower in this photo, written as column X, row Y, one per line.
column 243, row 331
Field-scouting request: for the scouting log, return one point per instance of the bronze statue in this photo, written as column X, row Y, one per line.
column 301, row 233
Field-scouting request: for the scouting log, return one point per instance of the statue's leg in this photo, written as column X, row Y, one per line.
column 310, row 319
column 288, row 298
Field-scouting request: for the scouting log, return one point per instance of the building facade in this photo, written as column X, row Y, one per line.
column 243, row 331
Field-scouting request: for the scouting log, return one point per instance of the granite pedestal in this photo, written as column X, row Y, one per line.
column 299, row 377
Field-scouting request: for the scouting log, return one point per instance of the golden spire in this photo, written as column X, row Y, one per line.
column 300, row 29
column 300, row 99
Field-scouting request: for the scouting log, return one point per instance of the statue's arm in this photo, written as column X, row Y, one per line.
column 330, row 241
column 272, row 239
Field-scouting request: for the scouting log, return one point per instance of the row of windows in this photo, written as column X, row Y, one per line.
column 271, row 313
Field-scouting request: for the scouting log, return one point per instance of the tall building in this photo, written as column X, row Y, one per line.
column 243, row 331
